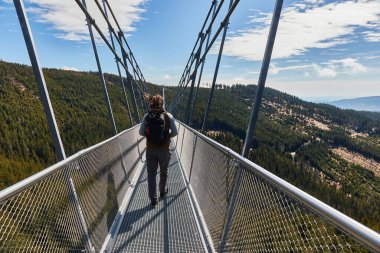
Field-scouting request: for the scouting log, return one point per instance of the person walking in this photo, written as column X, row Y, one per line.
column 158, row 126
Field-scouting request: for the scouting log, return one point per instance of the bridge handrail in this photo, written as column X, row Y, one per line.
column 23, row 184
column 365, row 235
column 72, row 204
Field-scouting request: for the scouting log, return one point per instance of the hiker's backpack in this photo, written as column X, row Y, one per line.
column 157, row 127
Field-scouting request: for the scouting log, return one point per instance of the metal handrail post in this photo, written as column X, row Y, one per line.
column 118, row 67
column 252, row 123
column 101, row 76
column 216, row 72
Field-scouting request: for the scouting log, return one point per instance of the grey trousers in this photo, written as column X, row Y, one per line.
column 157, row 156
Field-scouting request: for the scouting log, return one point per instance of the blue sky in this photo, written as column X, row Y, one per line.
column 324, row 49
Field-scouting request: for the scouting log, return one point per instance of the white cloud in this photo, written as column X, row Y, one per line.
column 69, row 68
column 327, row 88
column 166, row 77
column 69, row 20
column 324, row 72
column 330, row 69
column 314, row 1
column 372, row 57
column 350, row 65
column 302, row 28
column 275, row 70
column 372, row 36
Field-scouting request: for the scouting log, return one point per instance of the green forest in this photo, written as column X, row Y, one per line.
column 304, row 143
column 296, row 140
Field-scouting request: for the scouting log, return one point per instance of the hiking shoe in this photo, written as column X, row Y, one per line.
column 153, row 203
column 163, row 194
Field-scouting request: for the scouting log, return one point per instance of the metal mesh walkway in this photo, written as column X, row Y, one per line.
column 170, row 227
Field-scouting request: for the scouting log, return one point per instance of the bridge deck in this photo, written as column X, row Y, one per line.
column 170, row 227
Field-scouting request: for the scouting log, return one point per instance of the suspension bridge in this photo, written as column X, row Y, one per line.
column 219, row 201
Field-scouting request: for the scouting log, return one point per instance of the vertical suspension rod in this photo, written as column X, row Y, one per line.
column 125, row 40
column 92, row 21
column 101, row 76
column 262, row 78
column 43, row 91
column 201, row 72
column 49, row 112
column 216, row 72
column 131, row 90
column 120, row 42
column 254, row 113
column 118, row 39
column 192, row 59
column 225, row 20
column 193, row 79
column 118, row 69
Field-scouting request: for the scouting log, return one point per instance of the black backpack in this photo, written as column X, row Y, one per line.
column 157, row 126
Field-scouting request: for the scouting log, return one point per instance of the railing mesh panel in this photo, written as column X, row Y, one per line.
column 179, row 141
column 264, row 217
column 211, row 180
column 102, row 182
column 44, row 217
column 187, row 149
column 267, row 219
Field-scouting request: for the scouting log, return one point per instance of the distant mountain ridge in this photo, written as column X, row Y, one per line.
column 359, row 104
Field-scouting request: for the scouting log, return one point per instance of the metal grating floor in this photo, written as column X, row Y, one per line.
column 170, row 227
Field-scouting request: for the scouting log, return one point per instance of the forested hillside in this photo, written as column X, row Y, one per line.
column 80, row 109
column 331, row 153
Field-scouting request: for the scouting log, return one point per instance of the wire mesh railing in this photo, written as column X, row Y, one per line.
column 247, row 209
column 40, row 213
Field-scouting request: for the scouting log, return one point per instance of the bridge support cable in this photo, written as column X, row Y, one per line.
column 193, row 78
column 141, row 76
column 101, row 75
column 225, row 20
column 131, row 90
column 186, row 73
column 118, row 68
column 204, row 123
column 49, row 112
column 208, row 34
column 254, row 116
column 119, row 40
column 141, row 94
column 222, row 25
column 92, row 21
column 43, row 91
column 213, row 41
